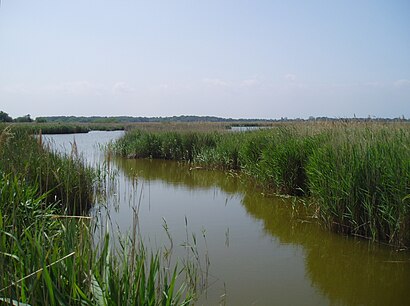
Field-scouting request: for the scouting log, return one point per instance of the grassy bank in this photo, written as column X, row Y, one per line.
column 48, row 128
column 47, row 252
column 85, row 127
column 63, row 128
column 357, row 174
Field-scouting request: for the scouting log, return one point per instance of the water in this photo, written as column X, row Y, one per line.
column 261, row 251
column 248, row 128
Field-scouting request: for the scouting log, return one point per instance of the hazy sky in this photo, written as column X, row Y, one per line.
column 250, row 59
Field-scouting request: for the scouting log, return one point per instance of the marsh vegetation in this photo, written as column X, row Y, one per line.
column 47, row 252
column 59, row 242
column 357, row 175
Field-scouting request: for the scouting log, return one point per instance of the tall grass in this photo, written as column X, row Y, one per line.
column 283, row 159
column 165, row 145
column 51, row 128
column 357, row 174
column 50, row 258
column 65, row 128
column 360, row 178
column 62, row 178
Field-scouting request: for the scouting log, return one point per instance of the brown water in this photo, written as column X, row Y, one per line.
column 261, row 250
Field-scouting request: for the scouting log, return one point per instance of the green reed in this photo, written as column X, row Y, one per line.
column 165, row 145
column 65, row 128
column 360, row 178
column 51, row 128
column 48, row 257
column 357, row 174
column 62, row 178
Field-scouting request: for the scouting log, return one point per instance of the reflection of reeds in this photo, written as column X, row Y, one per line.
column 344, row 270
column 358, row 173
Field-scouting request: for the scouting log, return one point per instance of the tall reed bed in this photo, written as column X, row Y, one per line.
column 48, row 257
column 357, row 174
column 278, row 158
column 165, row 145
column 62, row 178
column 360, row 178
column 66, row 128
column 51, row 128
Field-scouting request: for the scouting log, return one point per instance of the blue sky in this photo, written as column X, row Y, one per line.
column 240, row 59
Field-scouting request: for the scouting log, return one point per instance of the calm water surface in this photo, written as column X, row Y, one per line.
column 260, row 250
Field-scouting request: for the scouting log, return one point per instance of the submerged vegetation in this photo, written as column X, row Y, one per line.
column 47, row 252
column 357, row 175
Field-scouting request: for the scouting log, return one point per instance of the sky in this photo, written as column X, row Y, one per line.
column 226, row 58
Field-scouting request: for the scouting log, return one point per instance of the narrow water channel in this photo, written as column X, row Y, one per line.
column 261, row 251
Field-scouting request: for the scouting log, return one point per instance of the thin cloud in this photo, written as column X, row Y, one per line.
column 250, row 82
column 402, row 83
column 122, row 88
column 75, row 88
column 374, row 84
column 164, row 86
column 216, row 82
column 290, row 77
column 14, row 89
column 63, row 88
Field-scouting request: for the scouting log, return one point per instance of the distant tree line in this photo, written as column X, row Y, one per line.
column 191, row 118
column 4, row 117
column 129, row 119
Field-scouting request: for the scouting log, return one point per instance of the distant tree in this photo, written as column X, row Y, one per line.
column 25, row 118
column 105, row 120
column 41, row 120
column 4, row 117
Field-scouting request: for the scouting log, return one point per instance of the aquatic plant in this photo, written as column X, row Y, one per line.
column 360, row 178
column 165, row 145
column 62, row 178
column 50, row 258
column 357, row 174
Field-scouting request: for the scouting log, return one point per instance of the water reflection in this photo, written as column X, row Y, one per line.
column 348, row 271
column 178, row 174
column 262, row 252
column 345, row 271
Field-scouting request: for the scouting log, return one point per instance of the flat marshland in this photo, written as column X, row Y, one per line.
column 355, row 174
column 352, row 177
column 64, row 128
